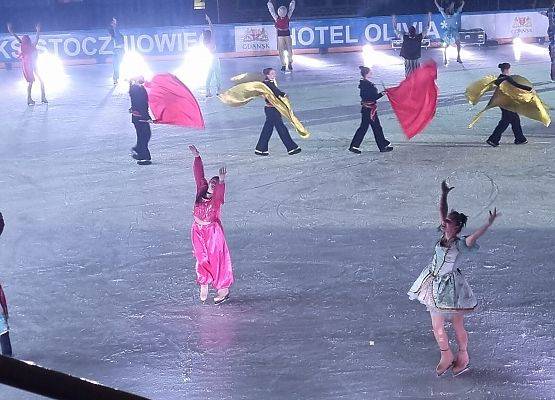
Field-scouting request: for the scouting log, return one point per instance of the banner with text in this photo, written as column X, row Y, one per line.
column 251, row 38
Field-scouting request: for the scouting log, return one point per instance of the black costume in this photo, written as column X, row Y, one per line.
column 274, row 120
column 369, row 94
column 508, row 117
column 139, row 110
column 411, row 51
column 550, row 14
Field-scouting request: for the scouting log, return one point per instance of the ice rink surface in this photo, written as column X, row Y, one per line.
column 97, row 265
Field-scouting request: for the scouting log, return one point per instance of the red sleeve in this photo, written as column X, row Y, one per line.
column 3, row 301
column 198, row 171
column 219, row 192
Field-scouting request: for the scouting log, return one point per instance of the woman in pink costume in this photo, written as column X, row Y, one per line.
column 28, row 55
column 209, row 244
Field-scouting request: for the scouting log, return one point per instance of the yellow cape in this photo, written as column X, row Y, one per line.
column 242, row 93
column 510, row 98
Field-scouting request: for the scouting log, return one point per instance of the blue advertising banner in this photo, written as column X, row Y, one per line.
column 96, row 46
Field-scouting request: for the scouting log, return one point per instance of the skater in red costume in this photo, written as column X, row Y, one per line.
column 28, row 56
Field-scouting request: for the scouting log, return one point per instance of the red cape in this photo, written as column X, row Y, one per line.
column 414, row 101
column 172, row 102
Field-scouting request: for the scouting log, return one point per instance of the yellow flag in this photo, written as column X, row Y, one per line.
column 243, row 93
column 509, row 97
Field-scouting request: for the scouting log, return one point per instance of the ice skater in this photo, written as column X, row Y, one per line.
column 140, row 118
column 118, row 48
column 28, row 55
column 550, row 14
column 284, row 42
column 411, row 49
column 274, row 120
column 5, row 342
column 508, row 117
column 452, row 21
column 443, row 289
column 213, row 265
column 214, row 72
column 369, row 95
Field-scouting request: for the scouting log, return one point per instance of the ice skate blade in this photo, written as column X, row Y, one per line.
column 465, row 369
column 222, row 300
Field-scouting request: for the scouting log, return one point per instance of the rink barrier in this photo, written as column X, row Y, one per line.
column 244, row 40
column 54, row 384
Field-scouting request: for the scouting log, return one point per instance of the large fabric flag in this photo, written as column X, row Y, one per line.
column 173, row 103
column 510, row 98
column 414, row 101
column 243, row 93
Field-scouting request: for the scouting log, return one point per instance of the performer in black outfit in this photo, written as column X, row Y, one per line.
column 411, row 49
column 118, row 50
column 369, row 94
column 274, row 120
column 550, row 14
column 508, row 117
column 140, row 118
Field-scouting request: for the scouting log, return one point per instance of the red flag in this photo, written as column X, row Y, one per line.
column 172, row 102
column 414, row 101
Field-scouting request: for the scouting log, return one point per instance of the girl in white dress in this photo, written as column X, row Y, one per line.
column 443, row 289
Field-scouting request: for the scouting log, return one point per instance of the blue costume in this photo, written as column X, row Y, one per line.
column 451, row 25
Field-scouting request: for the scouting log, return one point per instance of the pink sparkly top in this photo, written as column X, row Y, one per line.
column 207, row 209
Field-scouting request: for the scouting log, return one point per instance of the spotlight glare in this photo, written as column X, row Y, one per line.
column 372, row 57
column 51, row 70
column 310, row 62
column 133, row 65
column 196, row 64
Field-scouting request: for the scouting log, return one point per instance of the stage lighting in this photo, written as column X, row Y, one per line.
column 194, row 70
column 517, row 48
column 372, row 57
column 133, row 65
column 310, row 62
column 51, row 70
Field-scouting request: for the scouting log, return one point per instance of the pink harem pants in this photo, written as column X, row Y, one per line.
column 212, row 254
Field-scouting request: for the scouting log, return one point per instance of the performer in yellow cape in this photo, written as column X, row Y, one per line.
column 514, row 95
column 250, row 86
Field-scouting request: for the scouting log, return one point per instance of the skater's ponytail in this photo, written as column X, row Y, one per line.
column 364, row 71
column 504, row 66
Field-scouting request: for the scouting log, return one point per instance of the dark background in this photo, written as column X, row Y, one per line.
column 87, row 14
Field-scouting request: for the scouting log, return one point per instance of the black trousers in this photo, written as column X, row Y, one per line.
column 507, row 118
column 274, row 120
column 366, row 122
column 6, row 344
column 143, row 137
column 552, row 56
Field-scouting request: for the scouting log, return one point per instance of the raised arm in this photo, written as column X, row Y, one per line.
column 426, row 30
column 291, row 9
column 272, row 10
column 38, row 34
column 219, row 189
column 471, row 240
column 198, row 170
column 210, row 27
column 459, row 10
column 10, row 29
column 443, row 207
column 394, row 22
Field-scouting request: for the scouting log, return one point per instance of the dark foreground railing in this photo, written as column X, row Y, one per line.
column 56, row 385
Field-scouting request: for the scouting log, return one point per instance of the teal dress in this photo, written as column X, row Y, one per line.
column 441, row 286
